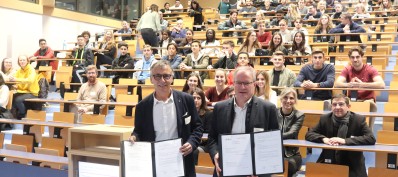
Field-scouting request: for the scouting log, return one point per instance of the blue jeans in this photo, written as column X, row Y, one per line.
column 19, row 104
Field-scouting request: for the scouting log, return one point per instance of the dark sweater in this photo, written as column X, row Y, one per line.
column 325, row 77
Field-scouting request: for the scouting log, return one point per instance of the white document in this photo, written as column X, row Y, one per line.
column 268, row 152
column 168, row 159
column 236, row 155
column 137, row 159
column 87, row 169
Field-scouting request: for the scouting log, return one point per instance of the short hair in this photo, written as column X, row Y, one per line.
column 3, row 69
column 229, row 42
column 161, row 64
column 288, row 90
column 80, row 36
column 346, row 99
column 245, row 68
column 146, row 46
column 123, row 45
column 180, row 21
column 203, row 106
column 91, row 67
column 166, row 4
column 86, row 33
column 233, row 11
column 196, row 41
column 346, row 15
column 355, row 49
column 278, row 53
column 318, row 51
column 172, row 44
column 41, row 40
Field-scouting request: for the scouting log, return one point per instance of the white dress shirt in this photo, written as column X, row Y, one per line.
column 165, row 119
column 239, row 124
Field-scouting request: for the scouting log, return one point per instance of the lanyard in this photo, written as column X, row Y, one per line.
column 81, row 55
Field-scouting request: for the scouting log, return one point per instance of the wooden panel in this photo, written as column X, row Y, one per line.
column 382, row 172
column 24, row 140
column 385, row 137
column 310, row 120
column 388, row 123
column 54, row 143
column 121, row 110
column 301, row 136
column 205, row 160
column 393, row 96
column 124, row 120
column 325, row 170
column 93, row 119
column 36, row 130
column 68, row 96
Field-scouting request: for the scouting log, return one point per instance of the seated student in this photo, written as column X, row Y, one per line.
column 263, row 88
column 164, row 42
column 177, row 5
column 231, row 24
column 92, row 90
column 313, row 14
column 282, row 6
column 368, row 6
column 178, row 32
column 210, row 41
column 280, row 76
column 106, row 51
column 336, row 15
column 196, row 12
column 384, row 6
column 302, row 7
column 144, row 65
column 166, row 8
column 27, row 87
column 86, row 35
column 267, row 6
column 251, row 44
column 186, row 42
column 173, row 58
column 243, row 60
column 205, row 115
column 300, row 47
column 323, row 27
column 218, row 92
column 361, row 75
column 6, row 69
column 276, row 45
column 290, row 121
column 298, row 26
column 123, row 62
column 318, row 74
column 292, row 14
column 44, row 52
column 263, row 36
column 286, row 34
column 224, row 7
column 342, row 127
column 321, row 6
column 125, row 30
column 361, row 13
column 193, row 81
column 85, row 57
column 163, row 22
column 196, row 60
column 248, row 9
column 259, row 18
column 348, row 26
column 227, row 57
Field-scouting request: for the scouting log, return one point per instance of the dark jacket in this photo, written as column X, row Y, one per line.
column 225, row 62
column 290, row 127
column 123, row 62
column 86, row 56
column 358, row 134
column 260, row 114
column 354, row 28
column 189, row 132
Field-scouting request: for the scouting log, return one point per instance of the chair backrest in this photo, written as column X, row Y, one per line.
column 36, row 115
column 310, row 120
column 10, row 98
column 179, row 82
column 1, row 140
column 123, row 120
column 387, row 138
column 70, row 96
column 360, row 106
column 107, row 81
column 384, row 172
column 16, row 147
column 47, row 70
column 67, row 117
column 388, row 124
column 126, row 81
column 24, row 140
column 55, row 144
column 51, row 152
column 93, row 119
column 325, row 170
column 121, row 110
column 393, row 96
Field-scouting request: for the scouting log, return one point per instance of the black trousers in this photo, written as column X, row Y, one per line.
column 150, row 37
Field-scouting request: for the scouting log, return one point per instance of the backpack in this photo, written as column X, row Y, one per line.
column 44, row 88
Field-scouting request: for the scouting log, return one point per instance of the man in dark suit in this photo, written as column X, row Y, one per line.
column 243, row 114
column 168, row 114
column 342, row 127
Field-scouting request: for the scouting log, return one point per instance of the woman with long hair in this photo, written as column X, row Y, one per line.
column 106, row 51
column 251, row 44
column 322, row 7
column 218, row 92
column 186, row 42
column 7, row 69
column 384, row 6
column 276, row 44
column 290, row 121
column 299, row 46
column 263, row 87
column 209, row 45
column 292, row 14
column 324, row 25
column 193, row 81
column 360, row 13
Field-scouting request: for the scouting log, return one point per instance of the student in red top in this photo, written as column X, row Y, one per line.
column 360, row 75
column 263, row 36
column 44, row 52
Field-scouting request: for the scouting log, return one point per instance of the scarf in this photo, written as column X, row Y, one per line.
column 342, row 124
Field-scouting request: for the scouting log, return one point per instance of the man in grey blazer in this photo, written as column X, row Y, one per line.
column 243, row 114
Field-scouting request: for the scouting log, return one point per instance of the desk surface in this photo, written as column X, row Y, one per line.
column 368, row 148
column 368, row 114
column 81, row 102
column 41, row 123
column 34, row 156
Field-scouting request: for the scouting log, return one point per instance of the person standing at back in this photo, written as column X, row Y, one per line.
column 149, row 26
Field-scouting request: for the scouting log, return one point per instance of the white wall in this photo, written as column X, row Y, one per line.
column 21, row 31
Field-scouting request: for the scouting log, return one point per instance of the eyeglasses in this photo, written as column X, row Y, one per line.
column 243, row 83
column 341, row 104
column 159, row 76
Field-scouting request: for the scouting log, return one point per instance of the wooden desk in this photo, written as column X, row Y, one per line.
column 34, row 157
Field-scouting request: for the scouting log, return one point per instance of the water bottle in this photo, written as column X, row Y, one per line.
column 64, row 45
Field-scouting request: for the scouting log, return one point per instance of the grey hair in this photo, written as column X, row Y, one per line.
column 246, row 69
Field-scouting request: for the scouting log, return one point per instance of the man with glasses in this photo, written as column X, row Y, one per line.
column 227, row 59
column 92, row 90
column 342, row 127
column 168, row 114
column 144, row 65
column 360, row 75
column 245, row 113
column 317, row 75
